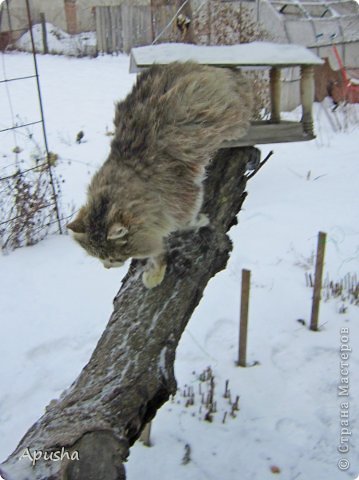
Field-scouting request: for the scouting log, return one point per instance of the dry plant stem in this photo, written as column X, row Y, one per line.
column 263, row 162
column 130, row 374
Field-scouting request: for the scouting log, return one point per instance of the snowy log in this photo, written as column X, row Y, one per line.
column 87, row 433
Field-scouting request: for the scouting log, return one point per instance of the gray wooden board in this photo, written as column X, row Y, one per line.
column 255, row 54
column 265, row 132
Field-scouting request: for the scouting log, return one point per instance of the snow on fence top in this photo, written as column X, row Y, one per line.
column 248, row 54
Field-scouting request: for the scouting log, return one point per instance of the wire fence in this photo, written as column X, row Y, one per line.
column 29, row 188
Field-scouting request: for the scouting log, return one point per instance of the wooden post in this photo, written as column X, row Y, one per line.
column 307, row 98
column 318, row 281
column 274, row 77
column 145, row 435
column 243, row 328
column 44, row 33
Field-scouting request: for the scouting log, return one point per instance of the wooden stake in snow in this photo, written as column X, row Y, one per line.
column 318, row 280
column 146, row 434
column 243, row 327
column 44, row 32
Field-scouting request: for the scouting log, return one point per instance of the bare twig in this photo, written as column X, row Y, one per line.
column 260, row 165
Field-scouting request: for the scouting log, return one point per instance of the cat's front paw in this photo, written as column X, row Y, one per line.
column 153, row 276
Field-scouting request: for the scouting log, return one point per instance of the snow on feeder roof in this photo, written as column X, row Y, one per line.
column 253, row 54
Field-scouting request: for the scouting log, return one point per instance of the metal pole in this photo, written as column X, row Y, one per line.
column 42, row 116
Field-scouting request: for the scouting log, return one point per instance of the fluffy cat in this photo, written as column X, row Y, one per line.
column 166, row 131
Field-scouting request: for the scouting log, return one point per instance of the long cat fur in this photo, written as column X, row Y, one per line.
column 166, row 132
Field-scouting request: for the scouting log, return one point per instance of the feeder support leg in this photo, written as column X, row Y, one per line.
column 307, row 98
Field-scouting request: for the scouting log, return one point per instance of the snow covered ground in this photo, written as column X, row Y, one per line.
column 55, row 301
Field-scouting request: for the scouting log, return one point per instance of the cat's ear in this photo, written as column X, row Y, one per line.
column 117, row 231
column 77, row 226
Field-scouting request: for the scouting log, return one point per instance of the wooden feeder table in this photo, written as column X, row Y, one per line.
column 256, row 55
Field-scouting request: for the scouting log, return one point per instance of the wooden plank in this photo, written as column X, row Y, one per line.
column 256, row 54
column 265, row 132
column 103, row 29
column 146, row 36
column 136, row 26
column 108, row 29
column 126, row 27
column 114, row 10
column 136, row 23
column 98, row 29
column 113, row 28
column 119, row 29
column 142, row 25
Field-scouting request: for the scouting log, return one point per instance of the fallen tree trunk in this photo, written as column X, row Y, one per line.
column 130, row 374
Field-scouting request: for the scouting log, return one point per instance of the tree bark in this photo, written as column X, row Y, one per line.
column 131, row 372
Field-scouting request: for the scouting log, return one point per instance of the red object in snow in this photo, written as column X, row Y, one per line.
column 350, row 87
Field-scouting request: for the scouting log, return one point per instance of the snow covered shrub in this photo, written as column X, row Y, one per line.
column 59, row 42
column 28, row 208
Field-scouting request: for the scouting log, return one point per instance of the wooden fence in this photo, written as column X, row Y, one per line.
column 121, row 27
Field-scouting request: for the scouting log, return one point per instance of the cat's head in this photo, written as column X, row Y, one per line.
column 106, row 240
